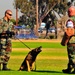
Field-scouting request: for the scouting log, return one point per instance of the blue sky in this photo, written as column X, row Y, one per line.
column 7, row 4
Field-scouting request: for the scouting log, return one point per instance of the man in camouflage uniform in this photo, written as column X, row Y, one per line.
column 69, row 40
column 5, row 40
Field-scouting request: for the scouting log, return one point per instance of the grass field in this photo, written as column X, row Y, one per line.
column 50, row 61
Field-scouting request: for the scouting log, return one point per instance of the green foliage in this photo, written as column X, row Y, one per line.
column 28, row 8
column 23, row 5
column 14, row 21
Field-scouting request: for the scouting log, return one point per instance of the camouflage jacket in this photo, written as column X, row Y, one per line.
column 4, row 25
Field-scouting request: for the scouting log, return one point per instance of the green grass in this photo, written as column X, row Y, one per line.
column 50, row 61
column 36, row 44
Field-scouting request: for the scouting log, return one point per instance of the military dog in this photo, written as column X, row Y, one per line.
column 28, row 63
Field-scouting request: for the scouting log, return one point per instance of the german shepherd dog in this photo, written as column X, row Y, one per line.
column 28, row 63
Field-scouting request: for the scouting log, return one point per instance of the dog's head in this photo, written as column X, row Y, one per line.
column 37, row 50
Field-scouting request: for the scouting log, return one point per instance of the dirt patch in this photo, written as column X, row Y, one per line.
column 38, row 40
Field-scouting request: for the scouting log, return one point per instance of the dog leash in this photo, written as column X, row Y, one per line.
column 24, row 44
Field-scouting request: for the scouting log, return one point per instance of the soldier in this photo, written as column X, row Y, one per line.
column 5, row 41
column 69, row 40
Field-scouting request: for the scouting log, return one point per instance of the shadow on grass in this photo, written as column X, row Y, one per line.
column 47, row 71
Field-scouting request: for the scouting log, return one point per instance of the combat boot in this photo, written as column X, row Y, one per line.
column 73, row 72
column 68, row 70
column 5, row 67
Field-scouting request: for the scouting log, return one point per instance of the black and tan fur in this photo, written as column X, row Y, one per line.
column 28, row 63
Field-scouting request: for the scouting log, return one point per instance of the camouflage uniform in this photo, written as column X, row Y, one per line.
column 70, row 42
column 71, row 48
column 5, row 43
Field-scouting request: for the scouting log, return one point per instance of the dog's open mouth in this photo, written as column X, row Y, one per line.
column 39, row 48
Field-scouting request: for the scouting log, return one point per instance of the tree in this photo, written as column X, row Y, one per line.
column 13, row 20
column 23, row 5
column 27, row 7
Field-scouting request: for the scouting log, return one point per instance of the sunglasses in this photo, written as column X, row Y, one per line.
column 9, row 14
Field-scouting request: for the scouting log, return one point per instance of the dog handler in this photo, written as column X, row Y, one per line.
column 69, row 40
column 5, row 40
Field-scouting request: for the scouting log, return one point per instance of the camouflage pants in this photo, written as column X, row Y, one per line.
column 5, row 50
column 71, row 56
